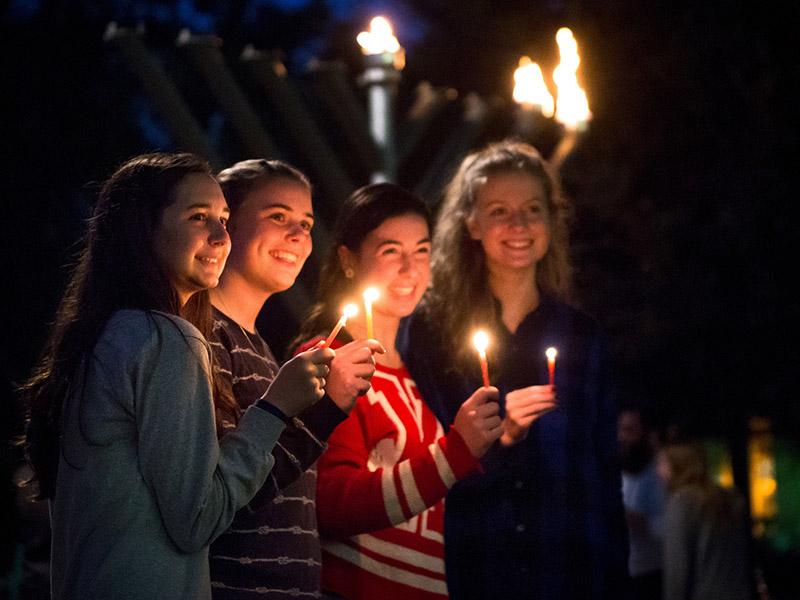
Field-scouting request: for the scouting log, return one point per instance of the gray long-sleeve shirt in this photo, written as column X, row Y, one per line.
column 143, row 485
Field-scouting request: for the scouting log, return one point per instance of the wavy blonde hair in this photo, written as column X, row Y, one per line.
column 459, row 299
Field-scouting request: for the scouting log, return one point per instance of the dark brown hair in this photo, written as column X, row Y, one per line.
column 116, row 269
column 364, row 211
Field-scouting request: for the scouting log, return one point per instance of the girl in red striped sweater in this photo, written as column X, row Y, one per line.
column 388, row 466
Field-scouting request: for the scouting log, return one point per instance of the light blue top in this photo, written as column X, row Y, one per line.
column 143, row 485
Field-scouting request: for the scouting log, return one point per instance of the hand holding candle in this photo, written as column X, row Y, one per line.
column 370, row 295
column 551, row 363
column 481, row 341
column 349, row 310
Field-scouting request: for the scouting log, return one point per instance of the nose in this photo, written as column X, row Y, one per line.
column 295, row 231
column 218, row 235
column 408, row 265
column 519, row 218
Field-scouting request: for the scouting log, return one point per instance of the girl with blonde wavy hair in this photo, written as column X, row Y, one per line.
column 546, row 519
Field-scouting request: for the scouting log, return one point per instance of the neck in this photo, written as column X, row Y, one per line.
column 517, row 293
column 385, row 332
column 238, row 299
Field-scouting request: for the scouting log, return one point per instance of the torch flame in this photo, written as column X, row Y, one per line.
column 481, row 341
column 572, row 106
column 379, row 39
column 551, row 353
column 530, row 88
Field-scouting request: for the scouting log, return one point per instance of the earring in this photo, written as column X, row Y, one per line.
column 349, row 273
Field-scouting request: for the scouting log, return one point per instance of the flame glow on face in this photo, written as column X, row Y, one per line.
column 530, row 88
column 379, row 39
column 572, row 106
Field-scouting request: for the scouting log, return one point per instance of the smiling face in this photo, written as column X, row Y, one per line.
column 271, row 234
column 190, row 241
column 395, row 258
column 511, row 221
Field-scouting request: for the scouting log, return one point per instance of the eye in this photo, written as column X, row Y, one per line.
column 278, row 217
column 306, row 225
column 497, row 211
column 424, row 250
column 199, row 217
column 224, row 221
column 389, row 250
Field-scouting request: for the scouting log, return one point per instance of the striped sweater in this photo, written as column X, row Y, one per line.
column 272, row 549
column 380, row 494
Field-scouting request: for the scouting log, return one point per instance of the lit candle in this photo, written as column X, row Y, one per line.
column 370, row 295
column 481, row 341
column 350, row 310
column 551, row 363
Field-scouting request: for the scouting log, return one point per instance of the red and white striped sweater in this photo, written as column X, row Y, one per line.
column 380, row 492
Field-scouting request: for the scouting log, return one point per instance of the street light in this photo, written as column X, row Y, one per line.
column 384, row 58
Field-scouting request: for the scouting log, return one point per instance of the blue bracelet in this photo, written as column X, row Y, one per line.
column 271, row 408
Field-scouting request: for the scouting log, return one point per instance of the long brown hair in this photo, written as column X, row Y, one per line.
column 458, row 263
column 365, row 210
column 116, row 269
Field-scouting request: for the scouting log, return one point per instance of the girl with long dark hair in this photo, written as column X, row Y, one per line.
column 546, row 520
column 122, row 431
column 389, row 464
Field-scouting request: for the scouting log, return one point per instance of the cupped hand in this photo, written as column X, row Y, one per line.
column 351, row 372
column 478, row 420
column 300, row 382
column 523, row 407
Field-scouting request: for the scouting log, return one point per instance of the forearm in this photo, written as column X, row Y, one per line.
column 298, row 448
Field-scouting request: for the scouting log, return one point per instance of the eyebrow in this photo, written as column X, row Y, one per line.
column 285, row 207
column 205, row 205
column 426, row 240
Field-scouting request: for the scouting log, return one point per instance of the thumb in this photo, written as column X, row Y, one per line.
column 322, row 355
column 483, row 395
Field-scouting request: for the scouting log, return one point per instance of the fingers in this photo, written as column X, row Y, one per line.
column 487, row 410
column 318, row 355
column 482, row 395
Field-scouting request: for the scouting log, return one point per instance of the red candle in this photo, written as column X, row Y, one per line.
column 350, row 310
column 481, row 341
column 551, row 363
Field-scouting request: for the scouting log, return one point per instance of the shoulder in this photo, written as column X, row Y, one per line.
column 132, row 332
column 577, row 319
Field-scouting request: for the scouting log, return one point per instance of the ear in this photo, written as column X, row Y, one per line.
column 347, row 259
column 472, row 227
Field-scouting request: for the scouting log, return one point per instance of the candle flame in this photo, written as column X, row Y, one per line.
column 481, row 341
column 572, row 106
column 530, row 88
column 379, row 39
column 349, row 310
column 551, row 353
column 371, row 294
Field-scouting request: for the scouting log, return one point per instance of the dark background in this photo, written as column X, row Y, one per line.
column 685, row 226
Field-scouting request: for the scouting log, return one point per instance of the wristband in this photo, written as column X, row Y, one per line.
column 271, row 408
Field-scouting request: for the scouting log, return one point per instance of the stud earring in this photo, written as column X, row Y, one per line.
column 349, row 273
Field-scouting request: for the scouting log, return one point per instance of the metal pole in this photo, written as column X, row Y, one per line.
column 381, row 78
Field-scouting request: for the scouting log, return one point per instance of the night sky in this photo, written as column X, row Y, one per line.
column 685, row 226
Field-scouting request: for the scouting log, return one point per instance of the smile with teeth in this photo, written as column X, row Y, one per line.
column 518, row 244
column 283, row 255
column 209, row 260
column 402, row 290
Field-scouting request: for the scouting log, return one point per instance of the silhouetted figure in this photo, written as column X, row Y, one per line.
column 705, row 532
